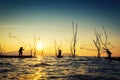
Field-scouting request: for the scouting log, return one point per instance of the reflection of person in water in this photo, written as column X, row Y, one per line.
column 20, row 51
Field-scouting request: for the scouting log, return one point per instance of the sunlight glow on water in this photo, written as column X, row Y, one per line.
column 52, row 68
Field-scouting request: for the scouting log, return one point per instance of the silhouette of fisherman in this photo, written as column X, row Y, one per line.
column 20, row 51
column 59, row 53
column 108, row 53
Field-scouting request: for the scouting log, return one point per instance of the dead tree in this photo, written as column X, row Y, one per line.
column 74, row 40
column 71, row 48
column 36, row 39
column 97, row 43
column 55, row 45
column 31, row 49
column 106, row 39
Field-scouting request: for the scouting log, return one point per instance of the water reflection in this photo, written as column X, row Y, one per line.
column 39, row 75
column 52, row 68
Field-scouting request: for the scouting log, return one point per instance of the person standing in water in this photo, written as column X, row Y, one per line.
column 20, row 51
column 108, row 53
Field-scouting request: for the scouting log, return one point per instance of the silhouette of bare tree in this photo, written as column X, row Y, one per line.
column 74, row 40
column 97, row 43
column 36, row 39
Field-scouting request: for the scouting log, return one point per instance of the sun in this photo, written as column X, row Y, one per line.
column 39, row 46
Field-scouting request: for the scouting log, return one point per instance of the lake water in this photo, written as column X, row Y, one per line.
column 52, row 68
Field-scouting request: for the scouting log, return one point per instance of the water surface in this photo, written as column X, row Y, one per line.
column 52, row 68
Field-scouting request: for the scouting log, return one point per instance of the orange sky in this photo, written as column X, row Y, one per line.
column 23, row 35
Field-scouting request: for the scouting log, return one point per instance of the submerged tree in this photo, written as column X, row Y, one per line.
column 31, row 49
column 74, row 40
column 55, row 45
column 36, row 39
column 97, row 43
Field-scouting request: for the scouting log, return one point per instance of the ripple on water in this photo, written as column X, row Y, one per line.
column 52, row 68
column 40, row 65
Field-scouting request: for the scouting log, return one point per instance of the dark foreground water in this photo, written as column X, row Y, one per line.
column 52, row 68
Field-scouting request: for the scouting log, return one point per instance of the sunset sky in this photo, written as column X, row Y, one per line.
column 52, row 20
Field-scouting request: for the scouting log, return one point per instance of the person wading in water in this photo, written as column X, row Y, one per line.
column 108, row 53
column 20, row 51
